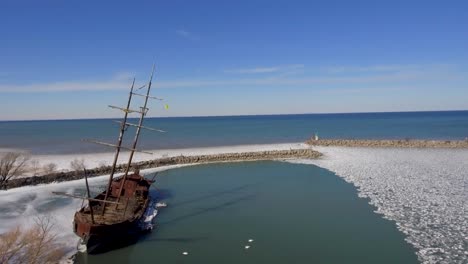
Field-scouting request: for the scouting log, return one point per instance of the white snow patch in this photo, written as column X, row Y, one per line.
column 93, row 160
column 20, row 206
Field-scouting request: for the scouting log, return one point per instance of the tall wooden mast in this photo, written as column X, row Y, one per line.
column 123, row 127
column 144, row 110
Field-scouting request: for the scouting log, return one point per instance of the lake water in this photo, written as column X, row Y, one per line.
column 64, row 136
column 295, row 213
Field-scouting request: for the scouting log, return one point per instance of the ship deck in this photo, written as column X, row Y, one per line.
column 127, row 209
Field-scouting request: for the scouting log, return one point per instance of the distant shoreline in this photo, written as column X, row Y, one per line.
column 388, row 143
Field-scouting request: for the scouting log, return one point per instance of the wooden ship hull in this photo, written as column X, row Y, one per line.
column 116, row 215
column 102, row 228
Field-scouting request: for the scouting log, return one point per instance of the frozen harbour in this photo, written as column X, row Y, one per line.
column 21, row 206
column 425, row 191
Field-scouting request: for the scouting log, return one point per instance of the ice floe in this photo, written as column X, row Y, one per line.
column 425, row 191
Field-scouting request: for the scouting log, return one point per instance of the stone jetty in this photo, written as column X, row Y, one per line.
column 404, row 143
column 176, row 160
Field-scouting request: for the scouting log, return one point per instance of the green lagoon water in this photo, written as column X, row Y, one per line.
column 295, row 213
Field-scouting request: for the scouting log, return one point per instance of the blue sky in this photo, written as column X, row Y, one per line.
column 70, row 59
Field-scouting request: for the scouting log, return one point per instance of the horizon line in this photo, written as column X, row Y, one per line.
column 246, row 115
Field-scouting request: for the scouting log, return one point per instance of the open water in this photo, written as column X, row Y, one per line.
column 295, row 213
column 64, row 136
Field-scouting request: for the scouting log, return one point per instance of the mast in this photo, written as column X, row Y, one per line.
column 123, row 127
column 144, row 110
column 89, row 196
column 119, row 144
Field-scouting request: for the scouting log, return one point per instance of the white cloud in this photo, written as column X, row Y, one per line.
column 186, row 34
column 384, row 68
column 273, row 69
column 123, row 80
column 253, row 70
column 119, row 81
column 280, row 80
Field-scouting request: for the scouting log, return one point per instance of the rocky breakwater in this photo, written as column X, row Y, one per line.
column 406, row 143
column 193, row 159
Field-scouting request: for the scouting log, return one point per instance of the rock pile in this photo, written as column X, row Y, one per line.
column 244, row 156
column 406, row 143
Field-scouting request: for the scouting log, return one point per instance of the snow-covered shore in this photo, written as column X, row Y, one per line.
column 93, row 160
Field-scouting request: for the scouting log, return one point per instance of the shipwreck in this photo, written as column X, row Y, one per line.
column 122, row 211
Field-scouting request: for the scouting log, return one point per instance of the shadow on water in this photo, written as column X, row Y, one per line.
column 117, row 244
column 166, row 193
column 129, row 240
column 160, row 193
column 146, row 236
column 209, row 209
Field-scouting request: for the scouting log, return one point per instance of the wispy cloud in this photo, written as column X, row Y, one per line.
column 117, row 82
column 383, row 78
column 377, row 78
column 254, row 70
column 419, row 75
column 384, row 68
column 186, row 34
column 272, row 69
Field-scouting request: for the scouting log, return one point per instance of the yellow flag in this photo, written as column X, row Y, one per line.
column 166, row 106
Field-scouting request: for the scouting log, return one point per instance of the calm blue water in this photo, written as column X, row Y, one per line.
column 295, row 213
column 64, row 136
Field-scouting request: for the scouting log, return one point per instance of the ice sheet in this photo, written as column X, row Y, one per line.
column 425, row 191
column 20, row 206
